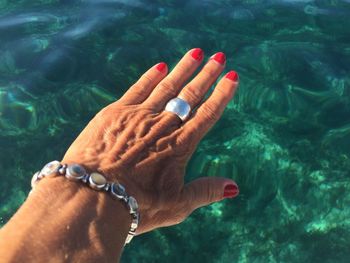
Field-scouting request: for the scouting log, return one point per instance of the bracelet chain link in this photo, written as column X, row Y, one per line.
column 96, row 181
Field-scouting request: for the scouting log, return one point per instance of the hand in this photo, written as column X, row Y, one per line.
column 134, row 141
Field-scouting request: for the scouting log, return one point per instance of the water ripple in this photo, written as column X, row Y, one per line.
column 21, row 19
column 284, row 138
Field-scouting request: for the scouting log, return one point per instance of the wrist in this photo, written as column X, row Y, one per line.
column 106, row 214
column 76, row 222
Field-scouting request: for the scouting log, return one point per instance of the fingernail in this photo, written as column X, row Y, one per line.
column 232, row 75
column 197, row 54
column 219, row 57
column 161, row 66
column 230, row 191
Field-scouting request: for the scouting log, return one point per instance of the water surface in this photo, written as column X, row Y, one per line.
column 285, row 138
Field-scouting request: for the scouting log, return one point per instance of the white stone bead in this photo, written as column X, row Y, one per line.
column 97, row 180
column 50, row 169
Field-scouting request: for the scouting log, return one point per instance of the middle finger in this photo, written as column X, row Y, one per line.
column 171, row 85
column 195, row 90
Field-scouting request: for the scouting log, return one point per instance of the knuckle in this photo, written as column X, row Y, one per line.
column 184, row 144
column 210, row 72
column 191, row 94
column 103, row 113
column 168, row 86
column 191, row 134
column 208, row 110
column 224, row 95
column 219, row 90
column 184, row 66
column 160, row 126
column 137, row 89
column 211, row 196
column 146, row 80
column 181, row 140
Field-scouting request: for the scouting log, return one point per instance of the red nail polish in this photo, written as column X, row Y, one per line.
column 230, row 191
column 197, row 54
column 161, row 66
column 232, row 75
column 219, row 57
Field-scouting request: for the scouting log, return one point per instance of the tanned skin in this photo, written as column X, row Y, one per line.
column 133, row 141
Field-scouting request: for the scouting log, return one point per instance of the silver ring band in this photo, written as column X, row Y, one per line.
column 180, row 107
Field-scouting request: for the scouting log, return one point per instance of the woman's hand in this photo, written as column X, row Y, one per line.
column 137, row 143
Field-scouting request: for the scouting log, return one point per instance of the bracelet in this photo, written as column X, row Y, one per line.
column 96, row 181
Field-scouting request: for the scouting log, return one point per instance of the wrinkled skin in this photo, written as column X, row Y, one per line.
column 134, row 141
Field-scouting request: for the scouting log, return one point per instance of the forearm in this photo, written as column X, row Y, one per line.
column 65, row 221
column 145, row 147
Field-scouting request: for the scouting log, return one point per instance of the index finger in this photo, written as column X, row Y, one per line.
column 211, row 110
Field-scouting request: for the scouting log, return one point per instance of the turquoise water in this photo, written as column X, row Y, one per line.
column 285, row 138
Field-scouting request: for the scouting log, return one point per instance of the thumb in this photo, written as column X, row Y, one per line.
column 206, row 190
